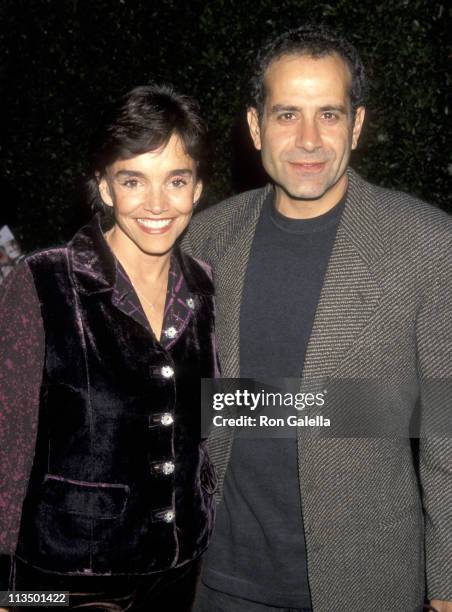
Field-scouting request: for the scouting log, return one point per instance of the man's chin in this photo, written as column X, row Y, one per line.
column 304, row 193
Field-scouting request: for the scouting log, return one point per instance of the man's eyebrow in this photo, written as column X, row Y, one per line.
column 185, row 171
column 287, row 108
column 339, row 108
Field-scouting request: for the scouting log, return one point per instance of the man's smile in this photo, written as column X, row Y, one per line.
column 308, row 167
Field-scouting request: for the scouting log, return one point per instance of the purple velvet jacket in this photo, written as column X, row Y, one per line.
column 120, row 480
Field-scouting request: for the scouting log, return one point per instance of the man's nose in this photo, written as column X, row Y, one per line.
column 308, row 135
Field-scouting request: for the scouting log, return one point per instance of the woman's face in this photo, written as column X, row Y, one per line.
column 152, row 196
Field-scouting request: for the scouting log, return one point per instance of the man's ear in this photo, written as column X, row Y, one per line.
column 358, row 125
column 104, row 191
column 253, row 123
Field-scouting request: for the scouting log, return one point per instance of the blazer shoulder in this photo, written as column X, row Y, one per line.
column 407, row 222
column 229, row 209
column 411, row 219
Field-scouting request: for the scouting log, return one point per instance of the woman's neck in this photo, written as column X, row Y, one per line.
column 148, row 275
column 140, row 266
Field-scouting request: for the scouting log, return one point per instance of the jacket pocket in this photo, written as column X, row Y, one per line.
column 77, row 526
column 96, row 500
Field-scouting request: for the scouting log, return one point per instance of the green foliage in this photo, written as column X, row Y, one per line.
column 64, row 59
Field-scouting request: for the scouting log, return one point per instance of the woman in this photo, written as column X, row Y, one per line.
column 107, row 489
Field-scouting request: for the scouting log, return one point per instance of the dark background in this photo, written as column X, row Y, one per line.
column 63, row 59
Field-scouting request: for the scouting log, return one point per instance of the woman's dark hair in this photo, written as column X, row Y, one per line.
column 313, row 40
column 143, row 120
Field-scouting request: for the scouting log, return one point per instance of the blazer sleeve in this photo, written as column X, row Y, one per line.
column 21, row 366
column 434, row 338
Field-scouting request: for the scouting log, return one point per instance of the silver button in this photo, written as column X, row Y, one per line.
column 166, row 419
column 167, row 371
column 190, row 303
column 170, row 332
column 168, row 468
column 168, row 517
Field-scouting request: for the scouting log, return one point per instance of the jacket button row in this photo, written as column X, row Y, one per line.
column 167, row 419
column 162, row 418
column 168, row 517
column 170, row 332
column 168, row 468
column 167, row 371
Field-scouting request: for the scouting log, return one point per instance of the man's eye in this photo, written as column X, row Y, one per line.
column 288, row 116
column 329, row 116
column 130, row 183
column 178, row 182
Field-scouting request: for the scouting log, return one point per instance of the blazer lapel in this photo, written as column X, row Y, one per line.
column 229, row 278
column 348, row 299
column 350, row 292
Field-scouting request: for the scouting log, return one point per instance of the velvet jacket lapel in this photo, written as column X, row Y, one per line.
column 94, row 270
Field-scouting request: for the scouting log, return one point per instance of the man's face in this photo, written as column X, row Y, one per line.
column 152, row 196
column 307, row 132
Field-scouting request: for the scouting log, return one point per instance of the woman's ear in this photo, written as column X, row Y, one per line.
column 198, row 192
column 104, row 190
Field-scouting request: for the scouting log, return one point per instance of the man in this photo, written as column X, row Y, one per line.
column 322, row 275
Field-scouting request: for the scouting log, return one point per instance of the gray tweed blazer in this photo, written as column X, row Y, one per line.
column 378, row 530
